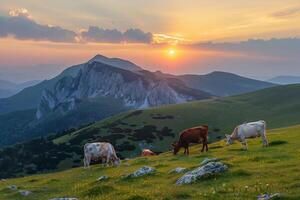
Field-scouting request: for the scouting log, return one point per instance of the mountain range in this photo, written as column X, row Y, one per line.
column 103, row 87
column 8, row 88
column 285, row 80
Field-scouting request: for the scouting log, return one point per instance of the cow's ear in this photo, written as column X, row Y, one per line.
column 173, row 144
column 227, row 136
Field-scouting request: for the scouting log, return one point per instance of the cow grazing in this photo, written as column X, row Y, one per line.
column 100, row 151
column 248, row 130
column 197, row 135
column 147, row 152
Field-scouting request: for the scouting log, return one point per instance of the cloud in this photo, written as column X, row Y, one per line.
column 20, row 12
column 286, row 12
column 284, row 47
column 20, row 26
column 160, row 38
column 96, row 34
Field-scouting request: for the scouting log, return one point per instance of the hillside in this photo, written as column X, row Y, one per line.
column 154, row 128
column 223, row 83
column 259, row 170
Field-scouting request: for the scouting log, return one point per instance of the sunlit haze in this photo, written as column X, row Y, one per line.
column 253, row 38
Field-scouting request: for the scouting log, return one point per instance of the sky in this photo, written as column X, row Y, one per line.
column 258, row 39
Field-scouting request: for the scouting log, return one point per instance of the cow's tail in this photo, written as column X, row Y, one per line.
column 264, row 125
column 85, row 161
column 265, row 139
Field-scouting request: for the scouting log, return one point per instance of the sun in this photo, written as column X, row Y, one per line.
column 171, row 52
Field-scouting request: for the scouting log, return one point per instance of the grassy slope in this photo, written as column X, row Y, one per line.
column 279, row 106
column 273, row 169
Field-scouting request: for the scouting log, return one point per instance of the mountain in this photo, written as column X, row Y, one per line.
column 257, row 171
column 8, row 88
column 116, row 62
column 156, row 128
column 284, row 80
column 223, row 83
column 135, row 90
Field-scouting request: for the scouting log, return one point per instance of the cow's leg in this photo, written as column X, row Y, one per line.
column 84, row 162
column 245, row 145
column 203, row 145
column 107, row 160
column 87, row 161
column 184, row 150
column 264, row 139
column 206, row 144
column 187, row 150
column 103, row 161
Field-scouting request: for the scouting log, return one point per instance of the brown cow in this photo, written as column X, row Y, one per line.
column 197, row 135
column 147, row 152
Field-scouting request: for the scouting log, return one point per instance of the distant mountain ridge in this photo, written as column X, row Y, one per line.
column 8, row 88
column 285, row 80
column 224, row 83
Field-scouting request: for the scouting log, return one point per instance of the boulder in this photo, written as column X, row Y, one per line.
column 102, row 178
column 268, row 196
column 208, row 169
column 12, row 187
column 24, row 192
column 208, row 160
column 141, row 172
column 177, row 170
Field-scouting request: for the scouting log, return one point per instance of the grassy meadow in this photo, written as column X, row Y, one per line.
column 258, row 170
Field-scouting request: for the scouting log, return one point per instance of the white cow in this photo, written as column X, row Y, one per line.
column 248, row 130
column 100, row 150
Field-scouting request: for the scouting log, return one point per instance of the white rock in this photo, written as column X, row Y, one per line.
column 209, row 168
column 142, row 171
column 12, row 187
column 24, row 192
column 102, row 178
column 178, row 170
column 208, row 160
column 268, row 196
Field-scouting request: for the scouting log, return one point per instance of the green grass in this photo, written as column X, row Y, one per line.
column 258, row 170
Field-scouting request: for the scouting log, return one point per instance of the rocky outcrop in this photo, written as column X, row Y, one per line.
column 24, row 192
column 102, row 178
column 208, row 160
column 268, row 196
column 177, row 170
column 141, row 172
column 134, row 89
column 208, row 169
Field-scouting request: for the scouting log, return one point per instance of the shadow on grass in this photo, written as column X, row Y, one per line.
column 137, row 197
column 241, row 172
column 99, row 190
column 277, row 142
column 182, row 195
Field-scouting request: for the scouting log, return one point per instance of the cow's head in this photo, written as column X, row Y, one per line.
column 117, row 161
column 229, row 140
column 176, row 147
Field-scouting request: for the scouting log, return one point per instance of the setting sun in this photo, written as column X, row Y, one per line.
column 171, row 52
